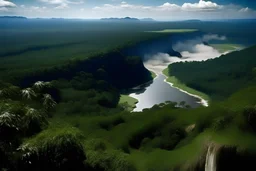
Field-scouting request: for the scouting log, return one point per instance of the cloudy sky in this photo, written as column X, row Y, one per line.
column 157, row 9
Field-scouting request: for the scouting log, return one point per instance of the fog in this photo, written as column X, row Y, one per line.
column 210, row 37
column 191, row 50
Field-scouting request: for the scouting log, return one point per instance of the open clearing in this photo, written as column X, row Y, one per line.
column 222, row 48
column 174, row 31
column 128, row 102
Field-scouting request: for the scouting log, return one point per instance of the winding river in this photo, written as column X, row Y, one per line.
column 158, row 91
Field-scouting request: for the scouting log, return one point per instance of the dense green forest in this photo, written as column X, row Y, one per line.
column 65, row 114
column 36, row 137
column 219, row 77
column 43, row 127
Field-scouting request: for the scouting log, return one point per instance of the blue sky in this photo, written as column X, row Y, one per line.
column 157, row 9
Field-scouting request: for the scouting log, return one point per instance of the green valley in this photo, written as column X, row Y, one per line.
column 66, row 104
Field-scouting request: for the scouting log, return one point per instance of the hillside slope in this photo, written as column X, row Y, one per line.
column 219, row 77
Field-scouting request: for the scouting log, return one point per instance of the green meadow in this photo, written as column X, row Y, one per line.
column 174, row 31
column 222, row 48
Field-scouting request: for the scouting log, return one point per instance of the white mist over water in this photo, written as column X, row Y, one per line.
column 191, row 50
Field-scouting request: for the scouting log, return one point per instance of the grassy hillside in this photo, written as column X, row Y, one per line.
column 176, row 83
column 219, row 77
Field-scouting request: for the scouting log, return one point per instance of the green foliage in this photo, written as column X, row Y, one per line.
column 250, row 117
column 111, row 122
column 127, row 102
column 225, row 75
column 85, row 87
column 35, row 121
column 221, row 123
column 109, row 160
column 54, row 149
column 177, row 83
column 133, row 60
column 96, row 145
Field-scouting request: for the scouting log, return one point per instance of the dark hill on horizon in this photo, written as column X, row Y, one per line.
column 12, row 17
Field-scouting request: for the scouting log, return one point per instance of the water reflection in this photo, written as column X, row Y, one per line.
column 158, row 91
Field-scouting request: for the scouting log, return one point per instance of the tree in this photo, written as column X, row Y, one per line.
column 182, row 104
column 57, row 149
column 48, row 102
column 28, row 93
column 250, row 115
column 40, row 85
column 34, row 121
column 9, row 126
column 11, row 92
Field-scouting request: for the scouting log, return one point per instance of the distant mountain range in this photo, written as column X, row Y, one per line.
column 127, row 19
column 12, row 17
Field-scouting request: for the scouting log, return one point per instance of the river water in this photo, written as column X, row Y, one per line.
column 158, row 91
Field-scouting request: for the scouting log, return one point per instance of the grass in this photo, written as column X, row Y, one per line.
column 174, row 31
column 222, row 48
column 180, row 85
column 166, row 160
column 153, row 75
column 128, row 102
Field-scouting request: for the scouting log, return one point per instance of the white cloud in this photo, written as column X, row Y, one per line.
column 35, row 8
column 3, row 9
column 122, row 8
column 201, row 5
column 169, row 7
column 61, row 4
column 202, row 10
column 4, row 5
column 32, row 9
column 247, row 9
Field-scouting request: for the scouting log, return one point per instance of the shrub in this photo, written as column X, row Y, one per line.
column 250, row 116
column 221, row 122
column 111, row 160
column 110, row 122
column 53, row 149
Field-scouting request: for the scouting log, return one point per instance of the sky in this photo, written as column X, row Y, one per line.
column 166, row 10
